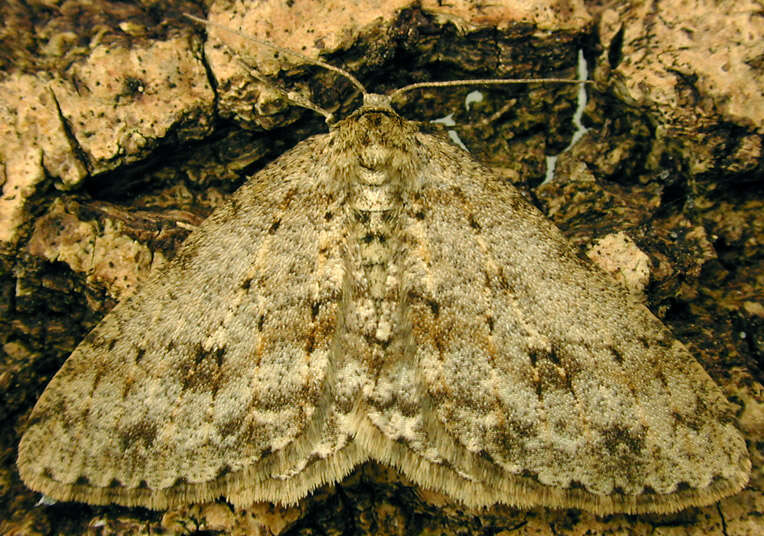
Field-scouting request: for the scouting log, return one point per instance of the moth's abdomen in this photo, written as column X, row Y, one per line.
column 372, row 286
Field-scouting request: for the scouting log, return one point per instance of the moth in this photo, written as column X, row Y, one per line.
column 377, row 294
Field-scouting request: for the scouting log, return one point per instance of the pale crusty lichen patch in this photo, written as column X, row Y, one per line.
column 103, row 253
column 691, row 66
column 126, row 99
column 618, row 255
column 33, row 144
column 111, row 108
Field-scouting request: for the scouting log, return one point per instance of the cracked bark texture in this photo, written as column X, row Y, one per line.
column 120, row 131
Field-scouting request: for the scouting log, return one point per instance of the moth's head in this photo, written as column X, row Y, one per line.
column 375, row 113
column 375, row 101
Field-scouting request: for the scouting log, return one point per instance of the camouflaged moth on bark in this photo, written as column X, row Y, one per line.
column 376, row 294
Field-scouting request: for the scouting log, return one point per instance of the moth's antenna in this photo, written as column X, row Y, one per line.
column 486, row 82
column 296, row 98
column 282, row 50
column 301, row 101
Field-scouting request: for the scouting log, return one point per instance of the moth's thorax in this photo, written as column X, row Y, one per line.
column 375, row 154
column 376, row 139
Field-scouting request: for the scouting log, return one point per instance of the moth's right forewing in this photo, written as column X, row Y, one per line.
column 541, row 381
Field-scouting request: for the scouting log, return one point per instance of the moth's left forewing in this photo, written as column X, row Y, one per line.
column 217, row 377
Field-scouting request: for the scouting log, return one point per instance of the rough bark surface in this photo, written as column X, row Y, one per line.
column 120, row 131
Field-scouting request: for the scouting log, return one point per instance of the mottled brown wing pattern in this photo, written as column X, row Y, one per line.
column 186, row 391
column 545, row 383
